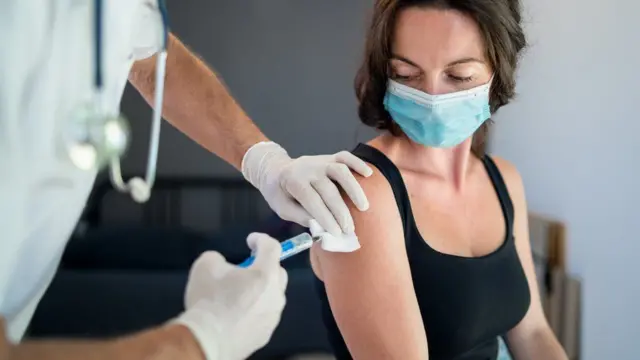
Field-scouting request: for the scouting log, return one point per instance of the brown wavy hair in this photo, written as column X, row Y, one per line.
column 500, row 26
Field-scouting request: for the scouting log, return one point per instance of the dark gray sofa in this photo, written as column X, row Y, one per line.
column 119, row 279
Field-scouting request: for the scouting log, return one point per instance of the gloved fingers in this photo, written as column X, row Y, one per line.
column 341, row 174
column 214, row 263
column 333, row 200
column 266, row 250
column 290, row 210
column 284, row 279
column 309, row 198
column 355, row 163
column 207, row 268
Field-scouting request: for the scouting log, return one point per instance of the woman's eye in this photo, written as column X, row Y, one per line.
column 405, row 77
column 461, row 79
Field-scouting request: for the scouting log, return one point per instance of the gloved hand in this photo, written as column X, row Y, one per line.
column 233, row 311
column 302, row 189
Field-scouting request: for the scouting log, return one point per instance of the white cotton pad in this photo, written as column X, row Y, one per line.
column 342, row 243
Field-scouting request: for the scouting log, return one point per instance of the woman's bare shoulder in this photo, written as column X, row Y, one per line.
column 378, row 191
column 511, row 176
column 375, row 227
column 370, row 290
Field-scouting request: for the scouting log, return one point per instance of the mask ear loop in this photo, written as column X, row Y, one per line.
column 140, row 189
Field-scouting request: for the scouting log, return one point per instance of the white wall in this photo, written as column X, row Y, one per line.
column 573, row 133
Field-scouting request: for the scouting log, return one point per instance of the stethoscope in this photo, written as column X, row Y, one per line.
column 96, row 138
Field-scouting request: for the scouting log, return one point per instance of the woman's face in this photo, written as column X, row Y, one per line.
column 438, row 51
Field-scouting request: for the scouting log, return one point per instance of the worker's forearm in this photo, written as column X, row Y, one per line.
column 168, row 343
column 198, row 104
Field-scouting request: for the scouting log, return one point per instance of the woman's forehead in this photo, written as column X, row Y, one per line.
column 436, row 37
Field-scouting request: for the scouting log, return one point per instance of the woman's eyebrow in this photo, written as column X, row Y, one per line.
column 403, row 59
column 465, row 61
column 453, row 63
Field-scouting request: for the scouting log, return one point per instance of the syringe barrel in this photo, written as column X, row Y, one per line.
column 290, row 247
column 296, row 245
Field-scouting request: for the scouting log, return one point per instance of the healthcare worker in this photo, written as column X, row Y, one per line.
column 63, row 68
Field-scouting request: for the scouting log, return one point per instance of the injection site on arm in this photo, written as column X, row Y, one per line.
column 370, row 290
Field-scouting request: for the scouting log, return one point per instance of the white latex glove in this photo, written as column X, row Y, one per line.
column 302, row 189
column 233, row 311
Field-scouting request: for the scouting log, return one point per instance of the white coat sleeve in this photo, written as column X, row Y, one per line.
column 15, row 66
column 148, row 31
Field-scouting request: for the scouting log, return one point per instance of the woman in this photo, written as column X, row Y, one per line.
column 445, row 266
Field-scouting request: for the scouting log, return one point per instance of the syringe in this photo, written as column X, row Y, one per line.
column 290, row 247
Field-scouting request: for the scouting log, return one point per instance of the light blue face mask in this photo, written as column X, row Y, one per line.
column 438, row 120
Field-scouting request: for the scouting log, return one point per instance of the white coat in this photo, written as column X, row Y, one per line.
column 46, row 72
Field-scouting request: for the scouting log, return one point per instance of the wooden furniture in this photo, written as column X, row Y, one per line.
column 560, row 292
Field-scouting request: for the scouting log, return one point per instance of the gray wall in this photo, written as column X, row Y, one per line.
column 573, row 134
column 290, row 64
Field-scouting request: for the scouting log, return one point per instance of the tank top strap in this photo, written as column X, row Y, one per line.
column 501, row 189
column 390, row 171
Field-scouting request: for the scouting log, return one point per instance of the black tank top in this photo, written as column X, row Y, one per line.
column 465, row 303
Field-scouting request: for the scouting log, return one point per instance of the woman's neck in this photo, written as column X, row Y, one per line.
column 450, row 165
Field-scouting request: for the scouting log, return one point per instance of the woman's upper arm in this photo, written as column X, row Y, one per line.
column 370, row 291
column 534, row 321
